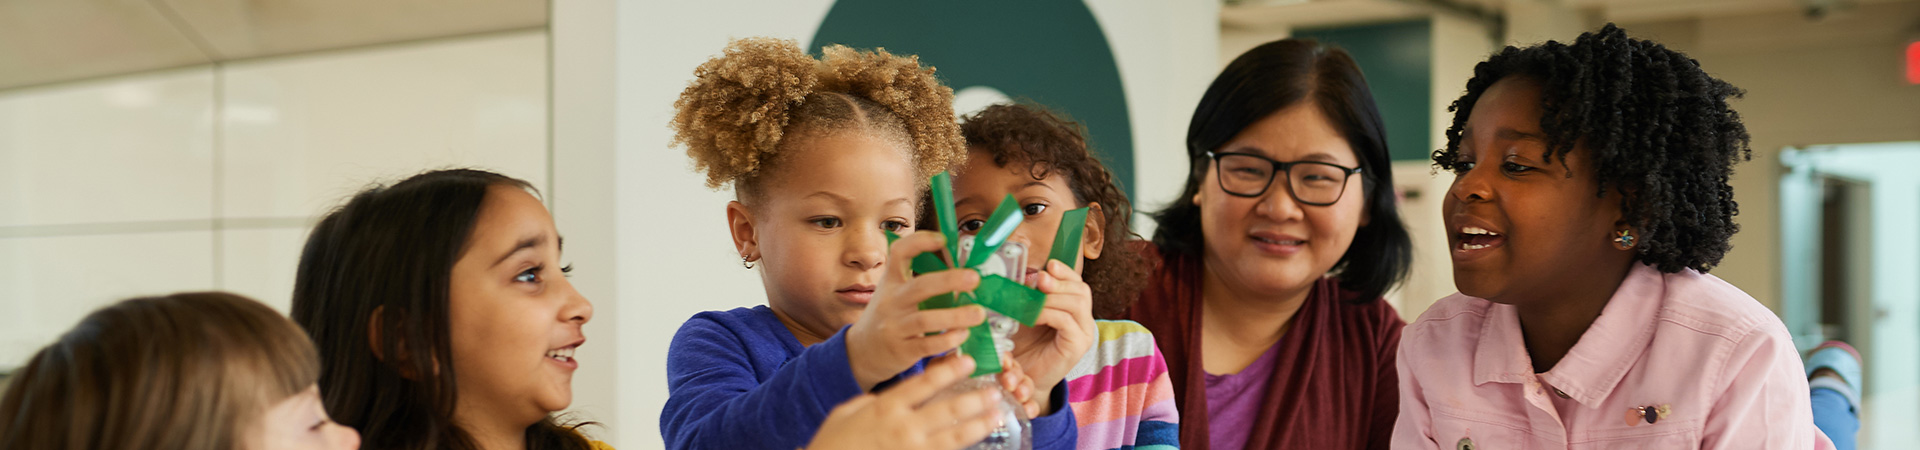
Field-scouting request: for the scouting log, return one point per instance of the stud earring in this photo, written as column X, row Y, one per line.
column 1624, row 239
column 746, row 261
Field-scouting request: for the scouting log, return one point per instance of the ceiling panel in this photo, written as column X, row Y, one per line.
column 49, row 41
column 252, row 28
column 46, row 41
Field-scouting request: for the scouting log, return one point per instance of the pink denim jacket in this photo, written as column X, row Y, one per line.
column 1675, row 361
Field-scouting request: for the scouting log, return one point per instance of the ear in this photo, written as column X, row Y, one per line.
column 373, row 333
column 375, row 340
column 740, row 223
column 1094, row 238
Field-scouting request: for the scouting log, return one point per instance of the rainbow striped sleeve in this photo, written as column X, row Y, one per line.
column 1120, row 392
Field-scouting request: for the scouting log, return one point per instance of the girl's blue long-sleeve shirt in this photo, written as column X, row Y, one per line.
column 738, row 379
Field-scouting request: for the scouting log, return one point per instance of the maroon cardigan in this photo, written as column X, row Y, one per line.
column 1334, row 383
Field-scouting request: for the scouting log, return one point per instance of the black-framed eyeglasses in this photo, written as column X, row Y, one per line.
column 1311, row 182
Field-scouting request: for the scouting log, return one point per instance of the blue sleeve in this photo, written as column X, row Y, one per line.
column 1059, row 430
column 715, row 400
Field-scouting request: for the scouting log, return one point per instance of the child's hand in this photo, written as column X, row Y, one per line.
column 892, row 333
column 902, row 417
column 1016, row 382
column 1063, row 333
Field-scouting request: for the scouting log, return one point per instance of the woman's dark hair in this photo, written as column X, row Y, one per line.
column 1658, row 128
column 385, row 259
column 183, row 371
column 1261, row 82
column 1029, row 136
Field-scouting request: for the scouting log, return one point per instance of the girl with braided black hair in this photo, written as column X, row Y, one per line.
column 1590, row 200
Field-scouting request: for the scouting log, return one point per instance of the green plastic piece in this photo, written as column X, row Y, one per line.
column 996, row 293
column 943, row 211
column 979, row 346
column 1006, row 218
column 1066, row 240
column 1012, row 299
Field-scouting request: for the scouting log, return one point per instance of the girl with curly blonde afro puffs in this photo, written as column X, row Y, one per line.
column 824, row 157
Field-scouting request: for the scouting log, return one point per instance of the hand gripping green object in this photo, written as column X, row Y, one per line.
column 995, row 292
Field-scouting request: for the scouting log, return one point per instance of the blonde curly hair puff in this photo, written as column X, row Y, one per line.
column 741, row 107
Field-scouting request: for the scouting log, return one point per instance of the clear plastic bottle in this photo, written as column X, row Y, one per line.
column 1016, row 429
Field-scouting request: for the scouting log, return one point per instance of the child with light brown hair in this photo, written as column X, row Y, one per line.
column 185, row 371
column 824, row 156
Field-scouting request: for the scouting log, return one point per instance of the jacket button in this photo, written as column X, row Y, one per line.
column 1465, row 444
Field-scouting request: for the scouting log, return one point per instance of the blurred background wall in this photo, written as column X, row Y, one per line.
column 153, row 146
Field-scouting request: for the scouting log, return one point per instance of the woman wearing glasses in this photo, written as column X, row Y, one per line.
column 1273, row 260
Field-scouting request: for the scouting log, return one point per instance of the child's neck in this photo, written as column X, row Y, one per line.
column 800, row 333
column 1552, row 325
column 493, row 435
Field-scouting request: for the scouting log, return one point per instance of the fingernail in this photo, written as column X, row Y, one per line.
column 966, row 363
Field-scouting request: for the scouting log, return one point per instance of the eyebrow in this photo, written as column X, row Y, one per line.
column 843, row 199
column 1517, row 135
column 524, row 243
column 1315, row 156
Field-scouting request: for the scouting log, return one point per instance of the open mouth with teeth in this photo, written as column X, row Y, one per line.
column 563, row 354
column 1475, row 238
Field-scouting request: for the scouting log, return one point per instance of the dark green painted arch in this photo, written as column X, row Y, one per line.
column 1049, row 51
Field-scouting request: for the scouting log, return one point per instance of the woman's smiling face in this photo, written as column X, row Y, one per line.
column 1521, row 228
column 1272, row 245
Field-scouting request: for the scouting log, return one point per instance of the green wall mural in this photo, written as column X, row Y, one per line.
column 1051, row 52
column 1397, row 59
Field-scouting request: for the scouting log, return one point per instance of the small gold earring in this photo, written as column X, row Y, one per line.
column 1624, row 239
column 746, row 261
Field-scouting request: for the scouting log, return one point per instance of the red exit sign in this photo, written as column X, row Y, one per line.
column 1913, row 62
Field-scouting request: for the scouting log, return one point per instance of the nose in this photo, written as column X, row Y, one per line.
column 578, row 309
column 1020, row 235
column 352, row 438
column 1278, row 203
column 866, row 251
column 1470, row 187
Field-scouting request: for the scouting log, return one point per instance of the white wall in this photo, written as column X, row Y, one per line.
column 207, row 178
column 1808, row 83
column 673, row 254
column 1458, row 44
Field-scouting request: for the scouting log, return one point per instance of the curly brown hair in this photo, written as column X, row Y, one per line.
column 744, row 105
column 1046, row 144
column 1658, row 127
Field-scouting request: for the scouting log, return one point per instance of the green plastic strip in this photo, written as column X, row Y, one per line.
column 922, row 263
column 943, row 212
column 1005, row 219
column 1066, row 240
column 979, row 346
column 942, row 301
column 995, row 292
column 1012, row 299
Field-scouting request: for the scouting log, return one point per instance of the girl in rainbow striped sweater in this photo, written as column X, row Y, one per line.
column 1119, row 391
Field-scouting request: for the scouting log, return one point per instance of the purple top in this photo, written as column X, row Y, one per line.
column 1234, row 399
